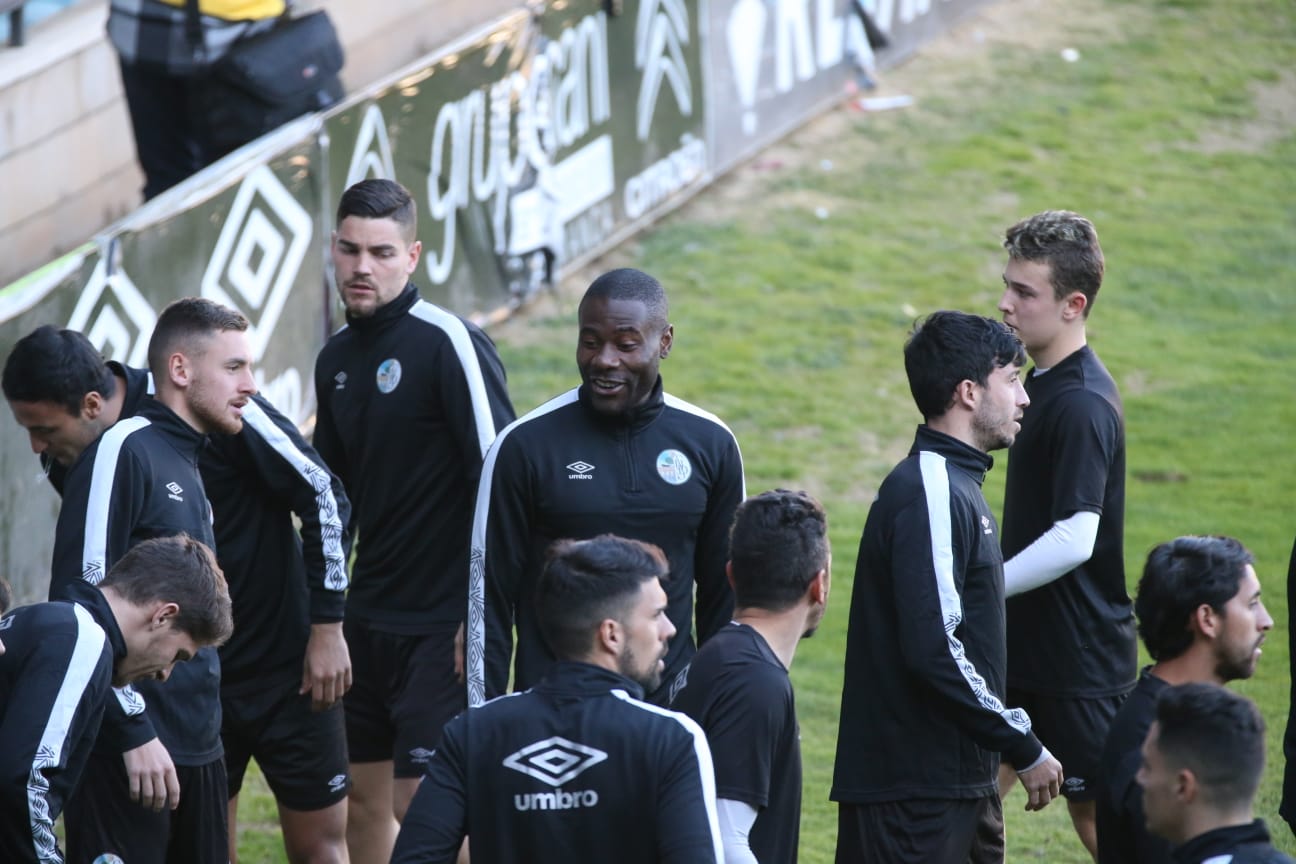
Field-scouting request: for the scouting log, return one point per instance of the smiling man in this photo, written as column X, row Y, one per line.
column 616, row 455
column 1202, row 620
column 924, row 718
column 137, row 481
column 158, row 605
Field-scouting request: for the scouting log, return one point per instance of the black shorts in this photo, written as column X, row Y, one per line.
column 100, row 819
column 1074, row 731
column 922, row 831
column 302, row 753
column 404, row 691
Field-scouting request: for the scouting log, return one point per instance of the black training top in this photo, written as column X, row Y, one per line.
column 409, row 401
column 666, row 473
column 1074, row 636
column 55, row 677
column 280, row 583
column 1235, row 844
column 1123, row 837
column 738, row 691
column 922, row 712
column 575, row 769
column 140, row 480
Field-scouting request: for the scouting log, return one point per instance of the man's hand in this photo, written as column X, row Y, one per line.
column 459, row 653
column 1043, row 783
column 152, row 776
column 326, row 672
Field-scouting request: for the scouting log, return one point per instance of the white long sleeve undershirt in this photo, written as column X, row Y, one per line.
column 736, row 820
column 1056, row 552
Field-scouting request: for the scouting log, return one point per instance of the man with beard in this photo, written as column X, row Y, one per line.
column 737, row 687
column 140, row 480
column 577, row 768
column 410, row 397
column 923, row 716
column 615, row 455
column 285, row 669
column 1201, row 618
column 157, row 606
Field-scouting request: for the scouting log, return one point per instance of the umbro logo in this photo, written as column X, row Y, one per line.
column 340, row 378
column 420, row 755
column 174, row 489
column 554, row 760
column 985, row 525
column 580, row 470
column 338, row 783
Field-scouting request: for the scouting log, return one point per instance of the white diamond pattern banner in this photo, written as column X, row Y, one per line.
column 258, row 254
column 115, row 316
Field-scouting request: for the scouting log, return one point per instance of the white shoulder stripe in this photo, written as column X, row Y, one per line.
column 335, row 572
column 51, row 751
column 475, row 647
column 705, row 768
column 94, row 550
column 935, row 480
column 690, row 408
column 461, row 339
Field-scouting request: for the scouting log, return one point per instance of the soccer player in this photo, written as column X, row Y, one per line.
column 410, row 396
column 737, row 687
column 1202, row 620
column 923, row 717
column 157, row 606
column 1201, row 766
column 1071, row 645
column 617, row 455
column 577, row 768
column 139, row 480
column 288, row 655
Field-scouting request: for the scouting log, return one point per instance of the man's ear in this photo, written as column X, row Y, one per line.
column 729, row 574
column 966, row 394
column 818, row 588
column 178, row 370
column 1186, row 786
column 610, row 638
column 667, row 340
column 1205, row 620
column 92, row 405
column 1074, row 305
column 162, row 615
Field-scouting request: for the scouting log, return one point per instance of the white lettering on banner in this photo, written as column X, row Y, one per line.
column 801, row 51
column 666, row 176
column 884, row 12
column 372, row 156
column 114, row 316
column 567, row 92
column 588, row 230
column 284, row 392
column 661, row 31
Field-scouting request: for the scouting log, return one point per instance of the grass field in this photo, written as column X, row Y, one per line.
column 1173, row 132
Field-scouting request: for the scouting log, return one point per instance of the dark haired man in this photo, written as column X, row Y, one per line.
column 1071, row 646
column 288, row 655
column 410, row 396
column 618, row 455
column 158, row 605
column 737, row 687
column 137, row 481
column 577, row 768
column 1201, row 618
column 1201, row 766
column 63, row 393
column 923, row 715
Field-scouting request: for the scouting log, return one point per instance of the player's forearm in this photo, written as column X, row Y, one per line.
column 1055, row 553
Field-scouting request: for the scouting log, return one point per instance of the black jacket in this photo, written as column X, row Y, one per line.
column 666, row 473
column 55, row 677
column 409, row 401
column 923, row 712
column 137, row 481
column 1237, row 844
column 280, row 583
column 576, row 769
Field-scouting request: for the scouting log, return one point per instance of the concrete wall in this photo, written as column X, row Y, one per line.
column 67, row 157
